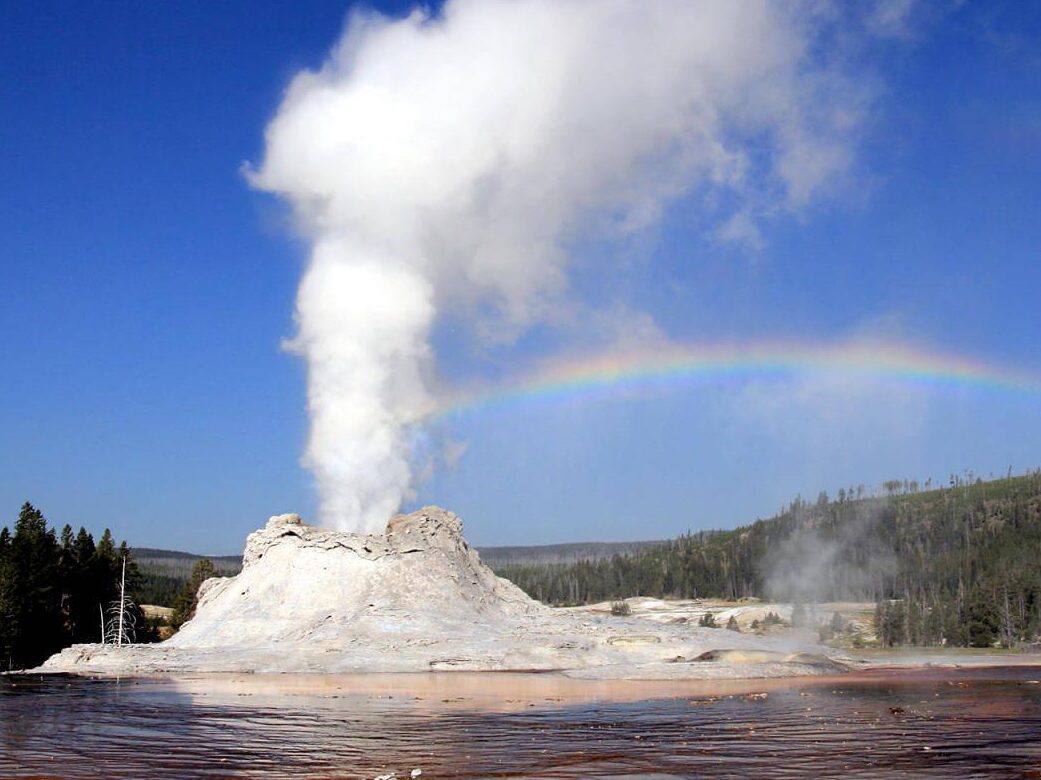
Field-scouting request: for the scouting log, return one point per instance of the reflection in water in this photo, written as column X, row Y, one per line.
column 934, row 723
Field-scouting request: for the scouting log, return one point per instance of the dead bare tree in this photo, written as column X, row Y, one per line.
column 122, row 620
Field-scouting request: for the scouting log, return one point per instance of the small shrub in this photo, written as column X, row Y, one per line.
column 838, row 623
column 708, row 620
column 621, row 608
column 732, row 624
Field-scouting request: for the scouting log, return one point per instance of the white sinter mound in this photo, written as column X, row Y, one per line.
column 416, row 598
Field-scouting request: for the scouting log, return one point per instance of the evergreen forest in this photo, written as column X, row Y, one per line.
column 958, row 564
column 57, row 589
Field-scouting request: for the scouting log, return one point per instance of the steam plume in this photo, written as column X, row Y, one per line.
column 451, row 160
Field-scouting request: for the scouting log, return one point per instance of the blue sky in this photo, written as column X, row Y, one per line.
column 145, row 290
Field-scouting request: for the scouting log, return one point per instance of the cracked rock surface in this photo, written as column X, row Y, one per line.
column 416, row 598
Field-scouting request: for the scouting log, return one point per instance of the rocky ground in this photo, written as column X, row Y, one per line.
column 418, row 599
column 753, row 615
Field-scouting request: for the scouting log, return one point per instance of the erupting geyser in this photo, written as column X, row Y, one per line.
column 454, row 160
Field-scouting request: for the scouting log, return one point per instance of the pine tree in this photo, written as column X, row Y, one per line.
column 184, row 606
column 7, row 602
column 37, row 621
column 85, row 581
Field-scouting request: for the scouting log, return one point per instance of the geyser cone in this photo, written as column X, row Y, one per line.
column 302, row 583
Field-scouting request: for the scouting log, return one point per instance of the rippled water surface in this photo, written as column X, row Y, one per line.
column 931, row 723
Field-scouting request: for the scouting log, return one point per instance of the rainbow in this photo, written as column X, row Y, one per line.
column 592, row 375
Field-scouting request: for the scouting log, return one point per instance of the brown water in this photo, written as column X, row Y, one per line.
column 928, row 723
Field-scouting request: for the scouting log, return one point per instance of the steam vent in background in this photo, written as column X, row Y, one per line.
column 416, row 598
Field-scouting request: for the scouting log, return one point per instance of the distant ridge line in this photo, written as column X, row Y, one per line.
column 497, row 555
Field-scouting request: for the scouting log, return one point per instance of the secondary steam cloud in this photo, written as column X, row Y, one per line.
column 450, row 159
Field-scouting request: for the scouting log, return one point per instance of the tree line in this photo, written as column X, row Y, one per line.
column 165, row 572
column 955, row 565
column 55, row 588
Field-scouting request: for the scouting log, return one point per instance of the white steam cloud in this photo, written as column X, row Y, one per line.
column 451, row 160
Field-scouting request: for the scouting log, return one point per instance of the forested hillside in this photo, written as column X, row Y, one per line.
column 165, row 572
column 959, row 564
column 559, row 553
